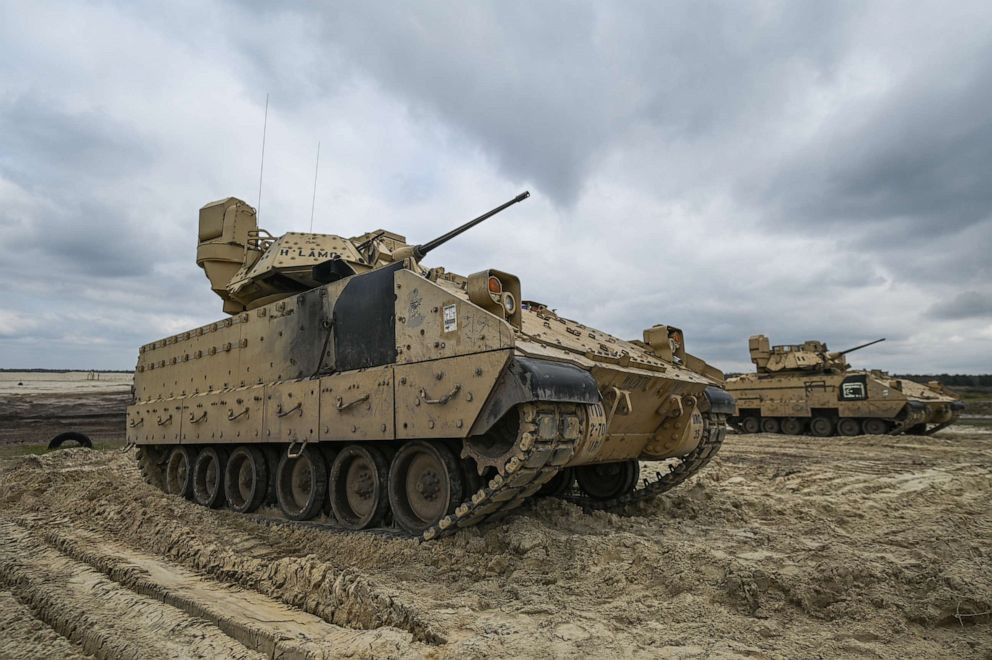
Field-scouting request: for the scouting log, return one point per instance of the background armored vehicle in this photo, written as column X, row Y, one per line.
column 349, row 380
column 801, row 388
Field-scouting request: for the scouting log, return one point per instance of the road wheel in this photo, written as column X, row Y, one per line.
column 792, row 426
column 770, row 425
column 208, row 477
column 607, row 481
column 848, row 426
column 301, row 484
column 246, row 479
column 425, row 485
column 557, row 485
column 750, row 424
column 875, row 427
column 357, row 487
column 822, row 427
column 179, row 472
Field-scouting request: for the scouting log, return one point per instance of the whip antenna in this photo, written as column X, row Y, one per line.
column 313, row 203
column 261, row 167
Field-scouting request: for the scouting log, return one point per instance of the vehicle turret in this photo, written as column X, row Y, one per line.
column 811, row 355
column 248, row 267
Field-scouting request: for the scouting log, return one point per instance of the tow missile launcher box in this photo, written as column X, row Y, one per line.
column 347, row 374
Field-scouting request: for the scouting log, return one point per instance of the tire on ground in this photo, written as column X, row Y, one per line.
column 70, row 436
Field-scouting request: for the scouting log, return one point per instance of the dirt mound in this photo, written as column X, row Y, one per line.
column 784, row 547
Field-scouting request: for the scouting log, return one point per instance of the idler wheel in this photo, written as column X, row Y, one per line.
column 301, row 484
column 770, row 425
column 750, row 424
column 557, row 485
column 179, row 472
column 848, row 426
column 875, row 426
column 208, row 477
column 822, row 427
column 246, row 479
column 358, row 487
column 425, row 485
column 792, row 426
column 606, row 481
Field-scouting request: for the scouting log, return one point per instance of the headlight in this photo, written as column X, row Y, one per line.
column 509, row 303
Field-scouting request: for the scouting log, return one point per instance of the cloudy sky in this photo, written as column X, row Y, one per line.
column 803, row 169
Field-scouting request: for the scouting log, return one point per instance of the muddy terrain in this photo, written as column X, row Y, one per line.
column 783, row 547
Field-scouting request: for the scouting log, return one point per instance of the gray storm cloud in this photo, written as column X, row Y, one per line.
column 802, row 169
column 965, row 305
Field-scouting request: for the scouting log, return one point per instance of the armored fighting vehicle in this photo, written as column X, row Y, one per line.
column 802, row 388
column 350, row 381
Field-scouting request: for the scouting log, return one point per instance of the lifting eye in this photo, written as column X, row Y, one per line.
column 495, row 286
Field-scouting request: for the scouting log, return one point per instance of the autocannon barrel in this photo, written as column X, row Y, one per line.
column 859, row 347
column 418, row 252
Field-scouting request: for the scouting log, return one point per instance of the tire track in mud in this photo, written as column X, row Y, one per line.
column 161, row 593
column 27, row 637
column 103, row 617
column 343, row 597
column 224, row 546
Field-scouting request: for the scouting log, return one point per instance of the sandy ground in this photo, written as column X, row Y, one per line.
column 783, row 547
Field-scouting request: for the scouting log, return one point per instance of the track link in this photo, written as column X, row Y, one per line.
column 546, row 441
column 714, row 430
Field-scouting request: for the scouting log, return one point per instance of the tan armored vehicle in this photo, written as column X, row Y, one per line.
column 348, row 380
column 804, row 388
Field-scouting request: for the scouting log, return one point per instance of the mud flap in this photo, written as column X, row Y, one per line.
column 718, row 401
column 912, row 414
column 526, row 379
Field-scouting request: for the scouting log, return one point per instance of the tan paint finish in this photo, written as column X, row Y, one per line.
column 292, row 411
column 421, row 333
column 266, row 373
column 797, row 396
column 157, row 421
column 357, row 405
column 442, row 398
